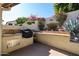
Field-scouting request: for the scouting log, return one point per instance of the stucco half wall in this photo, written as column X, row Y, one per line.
column 60, row 41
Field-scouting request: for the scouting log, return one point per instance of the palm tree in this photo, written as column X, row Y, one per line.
column 66, row 7
column 62, row 8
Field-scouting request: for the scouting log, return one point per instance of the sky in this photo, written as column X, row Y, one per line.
column 27, row 9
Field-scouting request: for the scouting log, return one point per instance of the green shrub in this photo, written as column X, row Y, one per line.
column 33, row 22
column 29, row 23
column 53, row 26
column 21, row 20
column 41, row 24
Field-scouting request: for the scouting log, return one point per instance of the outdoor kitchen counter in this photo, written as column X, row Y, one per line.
column 12, row 42
column 59, row 40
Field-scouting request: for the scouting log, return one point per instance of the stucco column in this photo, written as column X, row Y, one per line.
column 0, row 27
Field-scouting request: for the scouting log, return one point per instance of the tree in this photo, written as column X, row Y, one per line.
column 21, row 20
column 61, row 18
column 66, row 7
column 60, row 7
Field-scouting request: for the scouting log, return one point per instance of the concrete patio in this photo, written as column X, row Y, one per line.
column 39, row 49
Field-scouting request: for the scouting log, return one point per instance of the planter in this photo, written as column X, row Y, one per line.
column 74, row 37
column 58, row 40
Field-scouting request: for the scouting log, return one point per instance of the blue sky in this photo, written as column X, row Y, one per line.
column 27, row 9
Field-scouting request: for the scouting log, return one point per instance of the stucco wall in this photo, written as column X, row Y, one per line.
column 59, row 41
column 10, row 27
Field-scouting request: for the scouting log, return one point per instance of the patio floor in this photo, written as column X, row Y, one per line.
column 38, row 49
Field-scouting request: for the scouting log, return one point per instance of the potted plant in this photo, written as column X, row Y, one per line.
column 72, row 25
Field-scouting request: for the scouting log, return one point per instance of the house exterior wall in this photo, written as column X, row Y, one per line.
column 32, row 26
column 11, row 22
column 73, row 14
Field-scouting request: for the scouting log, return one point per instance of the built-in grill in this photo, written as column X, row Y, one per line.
column 27, row 33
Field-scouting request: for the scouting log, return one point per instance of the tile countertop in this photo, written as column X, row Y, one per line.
column 55, row 33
